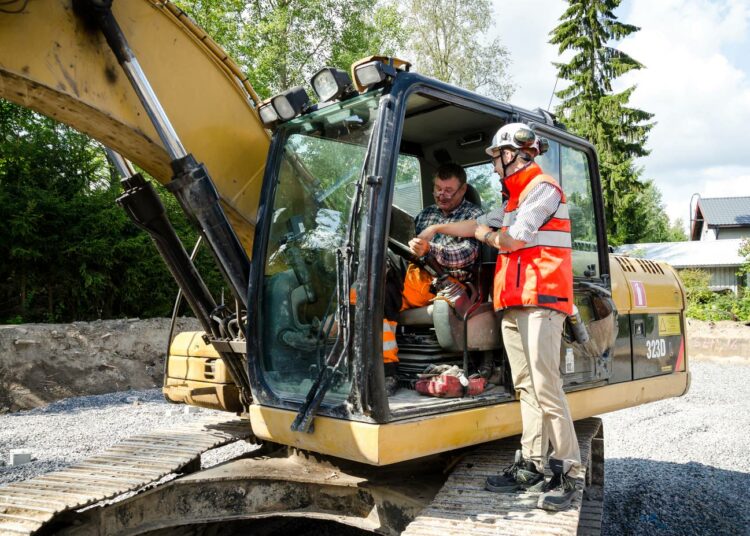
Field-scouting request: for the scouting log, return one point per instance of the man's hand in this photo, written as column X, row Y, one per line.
column 498, row 239
column 419, row 246
column 428, row 234
column 481, row 231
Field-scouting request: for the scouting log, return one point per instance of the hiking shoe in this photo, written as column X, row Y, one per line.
column 391, row 385
column 559, row 492
column 521, row 475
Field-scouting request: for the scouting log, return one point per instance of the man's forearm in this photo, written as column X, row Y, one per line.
column 463, row 229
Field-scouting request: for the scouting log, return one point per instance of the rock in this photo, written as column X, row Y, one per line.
column 45, row 362
column 19, row 457
column 20, row 343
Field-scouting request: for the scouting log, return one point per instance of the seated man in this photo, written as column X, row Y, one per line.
column 456, row 255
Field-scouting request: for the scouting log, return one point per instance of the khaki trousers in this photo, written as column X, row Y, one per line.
column 532, row 338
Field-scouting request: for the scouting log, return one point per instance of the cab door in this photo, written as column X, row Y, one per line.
column 575, row 168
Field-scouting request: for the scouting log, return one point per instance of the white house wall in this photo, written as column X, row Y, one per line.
column 727, row 233
column 723, row 277
column 707, row 233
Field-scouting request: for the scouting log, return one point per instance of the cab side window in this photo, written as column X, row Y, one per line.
column 408, row 189
column 550, row 161
column 487, row 184
column 576, row 182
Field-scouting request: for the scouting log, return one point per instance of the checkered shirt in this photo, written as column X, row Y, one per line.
column 452, row 252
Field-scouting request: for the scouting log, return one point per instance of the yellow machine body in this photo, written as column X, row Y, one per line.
column 384, row 444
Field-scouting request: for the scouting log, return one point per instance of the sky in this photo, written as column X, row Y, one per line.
column 696, row 82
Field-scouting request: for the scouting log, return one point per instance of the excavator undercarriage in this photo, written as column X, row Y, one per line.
column 153, row 484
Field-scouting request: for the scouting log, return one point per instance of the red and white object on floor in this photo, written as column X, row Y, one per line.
column 449, row 386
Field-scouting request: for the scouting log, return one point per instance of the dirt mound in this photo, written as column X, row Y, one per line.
column 40, row 363
column 718, row 339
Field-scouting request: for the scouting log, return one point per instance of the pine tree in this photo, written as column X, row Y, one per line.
column 590, row 108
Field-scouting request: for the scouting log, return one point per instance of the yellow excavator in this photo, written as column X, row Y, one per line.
column 301, row 204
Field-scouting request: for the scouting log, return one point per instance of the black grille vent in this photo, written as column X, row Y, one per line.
column 632, row 264
column 625, row 263
column 649, row 266
column 209, row 370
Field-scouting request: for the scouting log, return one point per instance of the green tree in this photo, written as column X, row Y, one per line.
column 67, row 251
column 223, row 20
column 744, row 270
column 51, row 182
column 590, row 107
column 446, row 43
column 647, row 219
column 281, row 43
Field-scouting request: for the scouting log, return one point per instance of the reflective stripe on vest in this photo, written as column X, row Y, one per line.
column 555, row 239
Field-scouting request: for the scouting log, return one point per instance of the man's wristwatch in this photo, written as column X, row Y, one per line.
column 486, row 236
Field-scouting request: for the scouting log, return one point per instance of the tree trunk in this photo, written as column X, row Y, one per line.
column 23, row 295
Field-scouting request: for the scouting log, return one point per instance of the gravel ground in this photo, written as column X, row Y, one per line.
column 676, row 467
column 70, row 430
column 681, row 466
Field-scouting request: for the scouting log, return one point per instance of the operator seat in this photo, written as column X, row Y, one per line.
column 483, row 330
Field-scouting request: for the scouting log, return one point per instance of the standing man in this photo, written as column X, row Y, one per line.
column 456, row 255
column 533, row 289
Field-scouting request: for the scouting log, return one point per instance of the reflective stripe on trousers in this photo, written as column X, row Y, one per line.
column 390, row 348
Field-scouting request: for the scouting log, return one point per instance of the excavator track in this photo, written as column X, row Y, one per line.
column 27, row 506
column 462, row 506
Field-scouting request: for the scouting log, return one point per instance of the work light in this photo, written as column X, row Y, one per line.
column 267, row 114
column 373, row 70
column 330, row 84
column 371, row 73
column 290, row 103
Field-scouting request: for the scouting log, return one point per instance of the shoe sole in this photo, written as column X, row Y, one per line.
column 552, row 507
column 503, row 489
column 518, row 488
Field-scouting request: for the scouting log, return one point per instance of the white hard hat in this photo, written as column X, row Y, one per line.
column 518, row 136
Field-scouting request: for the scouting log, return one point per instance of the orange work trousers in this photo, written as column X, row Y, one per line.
column 416, row 293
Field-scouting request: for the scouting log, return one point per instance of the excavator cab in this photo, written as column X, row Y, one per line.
column 342, row 186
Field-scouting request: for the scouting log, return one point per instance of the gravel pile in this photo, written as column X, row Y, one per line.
column 679, row 466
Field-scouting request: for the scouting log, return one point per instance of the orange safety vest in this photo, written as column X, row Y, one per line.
column 540, row 274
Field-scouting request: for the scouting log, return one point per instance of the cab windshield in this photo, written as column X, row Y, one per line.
column 321, row 161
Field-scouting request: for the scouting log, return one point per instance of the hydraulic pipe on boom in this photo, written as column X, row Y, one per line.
column 143, row 206
column 191, row 183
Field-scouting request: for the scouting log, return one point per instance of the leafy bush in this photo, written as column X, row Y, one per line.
column 705, row 304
